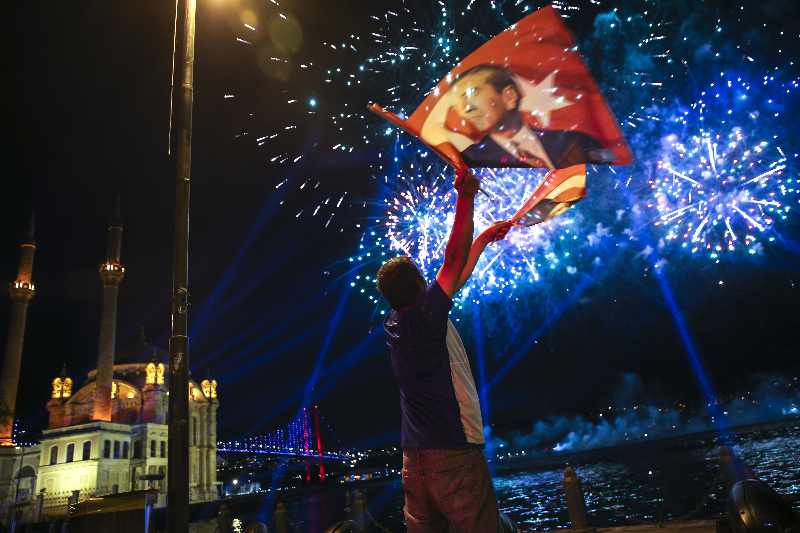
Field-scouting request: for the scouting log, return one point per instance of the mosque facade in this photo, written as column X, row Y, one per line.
column 106, row 433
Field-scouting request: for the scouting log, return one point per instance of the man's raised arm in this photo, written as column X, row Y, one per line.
column 456, row 253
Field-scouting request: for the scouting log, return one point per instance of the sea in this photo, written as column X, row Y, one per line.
column 654, row 480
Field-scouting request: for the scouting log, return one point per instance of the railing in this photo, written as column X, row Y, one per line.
column 56, row 504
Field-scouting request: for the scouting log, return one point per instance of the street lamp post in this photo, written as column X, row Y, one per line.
column 178, row 464
column 19, row 473
column 21, row 466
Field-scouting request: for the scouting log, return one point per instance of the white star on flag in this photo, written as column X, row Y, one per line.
column 539, row 100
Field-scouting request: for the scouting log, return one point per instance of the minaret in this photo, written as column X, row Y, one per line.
column 111, row 272
column 21, row 292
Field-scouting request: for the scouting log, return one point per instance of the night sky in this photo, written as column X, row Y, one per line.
column 274, row 317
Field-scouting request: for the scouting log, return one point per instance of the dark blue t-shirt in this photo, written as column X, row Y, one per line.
column 437, row 393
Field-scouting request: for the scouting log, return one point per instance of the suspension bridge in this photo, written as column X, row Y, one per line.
column 300, row 438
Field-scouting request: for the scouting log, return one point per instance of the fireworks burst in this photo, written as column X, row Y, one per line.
column 415, row 220
column 395, row 62
column 722, row 184
column 719, row 183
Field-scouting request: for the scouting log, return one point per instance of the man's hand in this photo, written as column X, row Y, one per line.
column 496, row 232
column 466, row 184
column 493, row 233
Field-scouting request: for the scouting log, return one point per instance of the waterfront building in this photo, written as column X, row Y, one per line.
column 113, row 428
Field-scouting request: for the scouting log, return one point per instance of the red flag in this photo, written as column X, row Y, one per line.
column 561, row 188
column 523, row 99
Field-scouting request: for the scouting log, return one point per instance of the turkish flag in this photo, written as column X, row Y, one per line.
column 523, row 99
column 560, row 189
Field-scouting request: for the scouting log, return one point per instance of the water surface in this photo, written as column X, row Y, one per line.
column 667, row 477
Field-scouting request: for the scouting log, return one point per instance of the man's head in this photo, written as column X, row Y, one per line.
column 400, row 282
column 487, row 96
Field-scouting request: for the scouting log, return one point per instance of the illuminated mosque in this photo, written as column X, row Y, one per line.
column 105, row 433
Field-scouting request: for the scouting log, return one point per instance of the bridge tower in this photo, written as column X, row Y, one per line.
column 319, row 445
column 312, row 438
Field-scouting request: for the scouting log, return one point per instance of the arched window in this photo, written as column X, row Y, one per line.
column 87, row 450
column 27, row 471
column 107, row 449
column 116, row 449
column 23, row 486
column 194, row 431
column 137, row 449
column 163, row 449
column 130, row 418
column 53, row 455
column 152, row 448
column 70, row 452
column 125, row 450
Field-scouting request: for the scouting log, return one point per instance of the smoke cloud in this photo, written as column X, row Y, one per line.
column 633, row 415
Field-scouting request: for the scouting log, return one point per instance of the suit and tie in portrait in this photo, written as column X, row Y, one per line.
column 563, row 149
